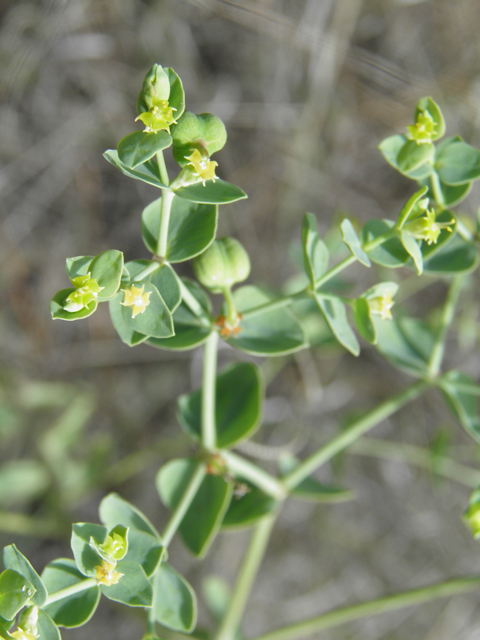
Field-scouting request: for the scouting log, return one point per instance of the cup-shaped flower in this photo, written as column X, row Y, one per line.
column 424, row 130
column 427, row 227
column 159, row 117
column 203, row 167
column 135, row 298
column 87, row 290
column 106, row 574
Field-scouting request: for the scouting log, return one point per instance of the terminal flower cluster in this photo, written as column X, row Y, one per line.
column 87, row 290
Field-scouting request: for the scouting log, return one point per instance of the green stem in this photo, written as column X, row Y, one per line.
column 418, row 456
column 78, row 587
column 231, row 308
column 436, row 355
column 185, row 501
column 246, row 578
column 373, row 607
column 209, row 435
column 150, row 268
column 353, row 432
column 254, row 474
column 437, row 190
column 192, row 303
column 165, row 208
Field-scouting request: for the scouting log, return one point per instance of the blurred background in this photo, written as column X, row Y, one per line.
column 307, row 90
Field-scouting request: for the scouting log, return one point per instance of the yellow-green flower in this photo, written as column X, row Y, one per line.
column 135, row 298
column 424, row 128
column 106, row 574
column 203, row 167
column 87, row 290
column 382, row 306
column 159, row 117
column 427, row 227
column 24, row 634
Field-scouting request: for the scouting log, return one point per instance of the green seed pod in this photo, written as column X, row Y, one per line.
column 156, row 84
column 222, row 265
column 196, row 132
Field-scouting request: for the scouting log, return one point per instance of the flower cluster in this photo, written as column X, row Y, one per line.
column 424, row 129
column 159, row 117
column 87, row 290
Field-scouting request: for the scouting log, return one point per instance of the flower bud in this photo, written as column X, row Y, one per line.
column 222, row 265
column 87, row 290
column 156, row 84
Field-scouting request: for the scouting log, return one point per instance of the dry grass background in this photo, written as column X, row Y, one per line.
column 307, row 89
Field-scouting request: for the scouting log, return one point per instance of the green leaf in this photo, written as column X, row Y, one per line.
column 176, row 99
column 246, row 511
column 127, row 334
column 47, row 629
column 406, row 343
column 310, row 489
column 145, row 546
column 60, row 299
column 458, row 163
column 412, row 247
column 86, row 557
column 427, row 104
column 155, row 320
column 13, row 559
column 315, row 252
column 390, row 253
column 76, row 609
column 107, row 269
column 15, row 592
column 174, row 600
column 363, row 320
column 193, row 131
column 133, row 588
column 205, row 514
column 78, row 266
column 147, row 172
column 22, row 481
column 398, row 151
column 191, row 229
column 218, row 192
column 461, row 395
column 216, row 594
column 238, row 405
column 269, row 333
column 335, row 314
column 408, row 210
column 352, row 241
column 191, row 328
column 140, row 146
column 459, row 256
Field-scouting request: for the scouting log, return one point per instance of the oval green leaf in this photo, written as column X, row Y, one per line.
column 238, row 405
column 133, row 588
column 15, row 592
column 86, row 556
column 335, row 314
column 78, row 266
column 315, row 252
column 140, row 146
column 174, row 600
column 155, row 320
column 127, row 334
column 47, row 629
column 390, row 253
column 352, row 241
column 107, row 270
column 205, row 514
column 218, row 192
column 147, row 172
column 247, row 510
column 13, row 559
column 458, row 256
column 191, row 229
column 458, row 163
column 76, row 609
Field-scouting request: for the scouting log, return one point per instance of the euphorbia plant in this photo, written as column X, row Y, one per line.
column 125, row 558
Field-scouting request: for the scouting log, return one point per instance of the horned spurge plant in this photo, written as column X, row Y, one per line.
column 125, row 558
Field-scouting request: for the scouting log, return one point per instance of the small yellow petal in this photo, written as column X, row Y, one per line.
column 135, row 298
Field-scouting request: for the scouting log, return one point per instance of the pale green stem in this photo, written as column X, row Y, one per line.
column 437, row 190
column 418, row 456
column 246, row 577
column 209, row 434
column 231, row 308
column 165, row 208
column 436, row 355
column 373, row 607
column 353, row 433
column 78, row 587
column 256, row 475
column 185, row 501
column 192, row 303
column 150, row 268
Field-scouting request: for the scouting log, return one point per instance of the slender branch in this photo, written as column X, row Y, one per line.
column 182, row 507
column 353, row 432
column 209, row 435
column 436, row 355
column 255, row 474
column 437, row 190
column 165, row 208
column 419, row 456
column 146, row 271
column 246, row 578
column 373, row 607
column 78, row 587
